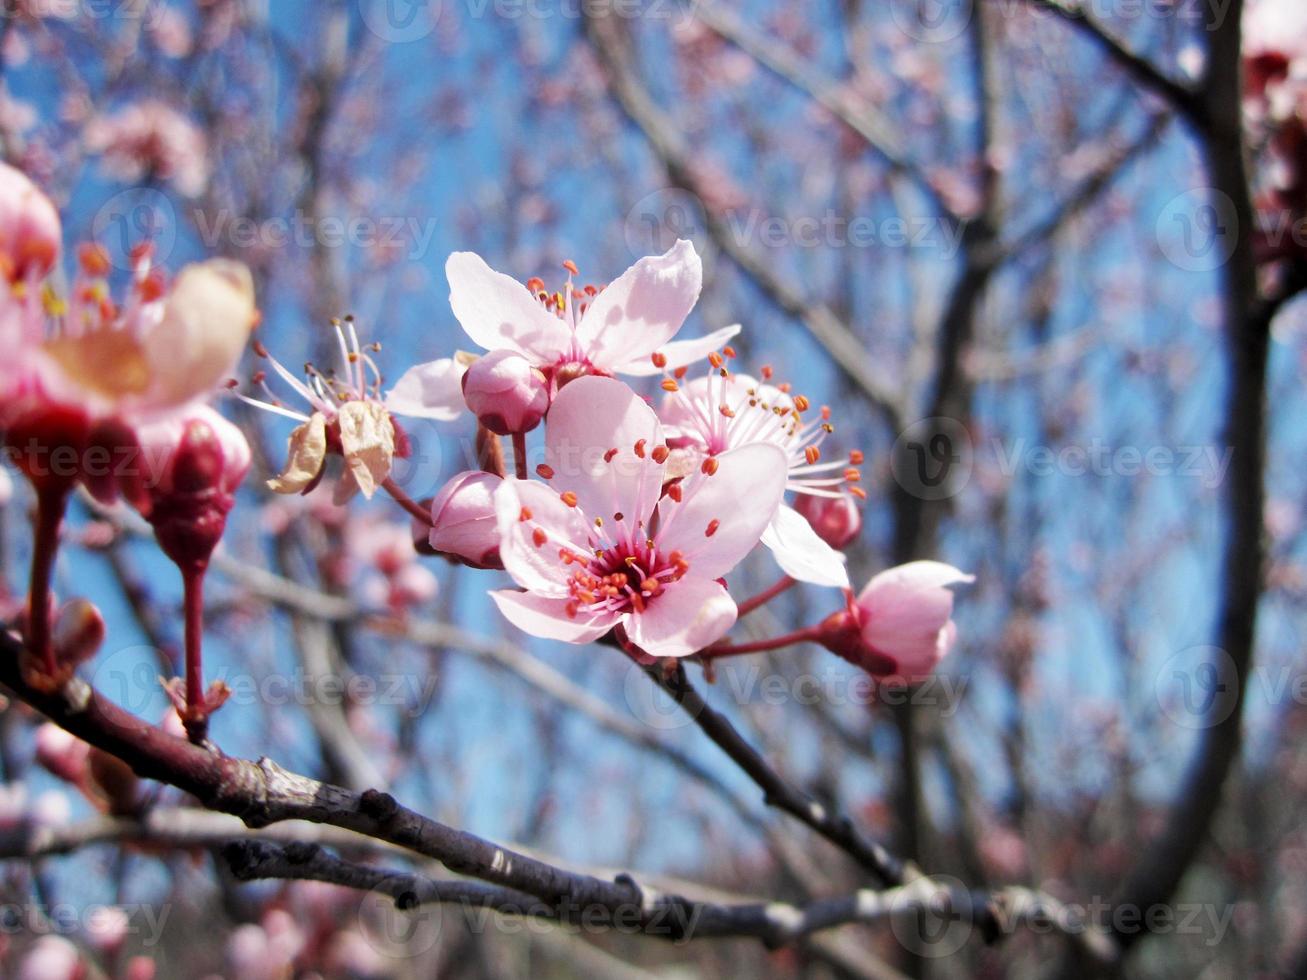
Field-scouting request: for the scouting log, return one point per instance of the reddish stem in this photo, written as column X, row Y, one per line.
column 519, row 454
column 423, row 514
column 719, row 650
column 51, row 504
column 766, row 596
column 197, row 711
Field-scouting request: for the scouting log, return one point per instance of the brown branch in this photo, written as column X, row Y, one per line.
column 1247, row 324
column 836, row 336
column 775, row 924
column 262, row 793
column 1143, row 72
column 835, row 827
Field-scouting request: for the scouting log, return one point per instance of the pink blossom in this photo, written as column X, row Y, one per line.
column 29, row 229
column 598, row 545
column 190, row 467
column 724, row 411
column 837, row 520
column 85, row 371
column 62, row 753
column 464, row 527
column 505, row 393
column 350, row 417
column 585, row 331
column 905, row 614
column 151, row 139
column 50, row 958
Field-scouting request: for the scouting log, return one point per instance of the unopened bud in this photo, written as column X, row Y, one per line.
column 837, row 520
column 506, row 393
column 464, row 527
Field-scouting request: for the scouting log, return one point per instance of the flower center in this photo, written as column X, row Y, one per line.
column 727, row 411
column 620, row 578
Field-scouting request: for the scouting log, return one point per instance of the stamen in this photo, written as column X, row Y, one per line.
column 545, row 472
column 709, row 466
column 660, row 454
column 713, row 525
column 568, row 497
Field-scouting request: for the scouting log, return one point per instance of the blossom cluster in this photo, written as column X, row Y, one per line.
column 1275, row 106
column 663, row 464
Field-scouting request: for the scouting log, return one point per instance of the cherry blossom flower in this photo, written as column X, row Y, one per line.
column 585, row 331
column 723, row 411
column 505, row 393
column 902, row 623
column 151, row 138
column 50, row 958
column 463, row 523
column 29, row 229
column 599, row 546
column 349, row 415
column 84, row 371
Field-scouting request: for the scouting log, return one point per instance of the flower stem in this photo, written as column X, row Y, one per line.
column 719, row 650
column 519, row 454
column 197, row 712
column 51, row 504
column 766, row 596
column 421, row 513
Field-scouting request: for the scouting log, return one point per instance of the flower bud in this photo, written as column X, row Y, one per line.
column 905, row 619
column 62, row 753
column 506, row 393
column 79, row 631
column 29, row 228
column 191, row 465
column 464, row 525
column 837, row 520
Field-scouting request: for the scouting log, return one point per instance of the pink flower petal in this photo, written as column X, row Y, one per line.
column 497, row 312
column 681, row 352
column 429, row 391
column 907, row 613
column 801, row 553
column 642, row 310
column 533, row 565
column 687, row 616
column 546, row 617
column 591, row 417
column 736, row 504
